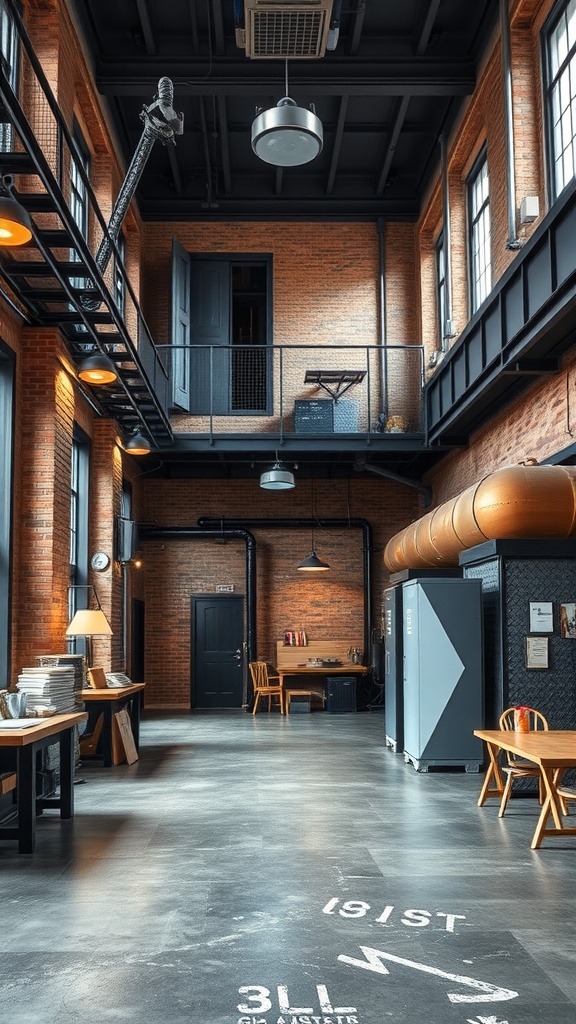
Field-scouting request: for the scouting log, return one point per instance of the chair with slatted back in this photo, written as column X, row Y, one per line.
column 516, row 767
column 266, row 685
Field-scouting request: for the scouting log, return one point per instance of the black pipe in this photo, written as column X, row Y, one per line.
column 192, row 533
column 299, row 524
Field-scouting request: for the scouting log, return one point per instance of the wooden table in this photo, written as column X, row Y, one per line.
column 107, row 701
column 553, row 751
column 27, row 743
column 312, row 670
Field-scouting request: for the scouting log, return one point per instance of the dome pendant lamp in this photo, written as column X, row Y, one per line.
column 287, row 135
column 312, row 563
column 97, row 369
column 138, row 445
column 277, row 478
column 15, row 223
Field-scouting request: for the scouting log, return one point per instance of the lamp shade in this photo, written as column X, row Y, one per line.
column 138, row 445
column 313, row 564
column 89, row 622
column 287, row 135
column 15, row 223
column 97, row 369
column 278, row 478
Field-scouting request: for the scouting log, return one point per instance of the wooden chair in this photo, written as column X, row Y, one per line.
column 266, row 685
column 516, row 767
column 565, row 793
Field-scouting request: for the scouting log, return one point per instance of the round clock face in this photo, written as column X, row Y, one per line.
column 100, row 561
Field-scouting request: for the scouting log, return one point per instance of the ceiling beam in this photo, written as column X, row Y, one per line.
column 337, row 145
column 393, row 137
column 147, row 32
column 424, row 31
column 410, row 77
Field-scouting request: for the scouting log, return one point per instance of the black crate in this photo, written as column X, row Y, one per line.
column 340, row 694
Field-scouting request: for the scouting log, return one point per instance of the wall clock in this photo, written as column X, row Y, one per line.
column 100, row 561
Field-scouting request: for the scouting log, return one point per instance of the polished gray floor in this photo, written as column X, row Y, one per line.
column 286, row 871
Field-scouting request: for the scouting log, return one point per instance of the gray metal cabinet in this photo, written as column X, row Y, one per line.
column 443, row 672
column 393, row 669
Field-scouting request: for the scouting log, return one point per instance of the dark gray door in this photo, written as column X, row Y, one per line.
column 217, row 644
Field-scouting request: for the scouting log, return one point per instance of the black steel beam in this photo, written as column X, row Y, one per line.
column 353, row 77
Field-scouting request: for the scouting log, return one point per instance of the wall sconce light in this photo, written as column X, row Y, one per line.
column 97, row 369
column 287, row 135
column 15, row 223
column 138, row 445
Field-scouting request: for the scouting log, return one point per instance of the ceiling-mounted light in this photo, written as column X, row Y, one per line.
column 97, row 369
column 277, row 478
column 15, row 223
column 138, row 445
column 287, row 135
column 313, row 564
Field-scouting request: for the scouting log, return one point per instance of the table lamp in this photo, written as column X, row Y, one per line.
column 89, row 622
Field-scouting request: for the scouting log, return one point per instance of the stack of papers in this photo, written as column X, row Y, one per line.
column 20, row 723
column 48, row 686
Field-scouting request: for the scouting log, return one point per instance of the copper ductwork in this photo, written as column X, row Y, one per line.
column 518, row 501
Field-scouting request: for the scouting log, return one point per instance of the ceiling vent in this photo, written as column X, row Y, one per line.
column 283, row 29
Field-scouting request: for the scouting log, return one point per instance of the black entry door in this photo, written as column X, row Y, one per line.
column 217, row 661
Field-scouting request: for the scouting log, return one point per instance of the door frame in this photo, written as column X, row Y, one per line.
column 194, row 598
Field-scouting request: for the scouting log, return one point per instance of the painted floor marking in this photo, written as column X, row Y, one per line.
column 485, row 992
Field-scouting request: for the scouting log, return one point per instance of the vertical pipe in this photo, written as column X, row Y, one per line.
column 447, row 327
column 382, row 332
column 512, row 242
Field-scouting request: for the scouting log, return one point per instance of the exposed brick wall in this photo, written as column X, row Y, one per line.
column 328, row 606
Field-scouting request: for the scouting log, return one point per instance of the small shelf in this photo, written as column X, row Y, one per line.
column 335, row 382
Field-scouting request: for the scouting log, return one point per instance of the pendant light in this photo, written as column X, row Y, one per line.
column 287, row 135
column 97, row 369
column 277, row 478
column 313, row 563
column 138, row 445
column 15, row 223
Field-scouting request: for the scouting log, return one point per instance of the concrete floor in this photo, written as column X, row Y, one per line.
column 286, row 871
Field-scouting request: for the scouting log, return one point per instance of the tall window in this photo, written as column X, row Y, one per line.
column 9, row 56
column 79, row 201
column 6, row 468
column 79, row 481
column 441, row 291
column 560, row 72
column 479, row 233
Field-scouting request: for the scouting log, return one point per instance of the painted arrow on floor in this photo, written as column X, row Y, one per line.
column 485, row 992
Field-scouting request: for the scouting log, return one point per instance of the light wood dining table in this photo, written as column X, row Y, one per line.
column 554, row 751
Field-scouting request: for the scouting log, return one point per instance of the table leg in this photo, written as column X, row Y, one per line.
column 67, row 773
column 551, row 806
column 26, row 773
column 493, row 772
column 106, row 736
column 135, row 718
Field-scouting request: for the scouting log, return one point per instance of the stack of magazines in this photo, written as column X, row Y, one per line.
column 48, row 687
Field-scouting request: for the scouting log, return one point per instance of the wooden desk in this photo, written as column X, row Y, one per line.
column 553, row 751
column 108, row 701
column 27, row 742
column 320, row 670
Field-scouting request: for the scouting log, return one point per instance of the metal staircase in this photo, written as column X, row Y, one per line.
column 55, row 281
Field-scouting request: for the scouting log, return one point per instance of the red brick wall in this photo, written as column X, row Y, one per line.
column 327, row 606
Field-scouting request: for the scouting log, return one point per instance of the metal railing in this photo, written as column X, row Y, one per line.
column 300, row 389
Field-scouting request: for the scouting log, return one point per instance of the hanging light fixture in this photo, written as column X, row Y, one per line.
column 313, row 563
column 15, row 223
column 97, row 369
column 138, row 445
column 287, row 135
column 277, row 478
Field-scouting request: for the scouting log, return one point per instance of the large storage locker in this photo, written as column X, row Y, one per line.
column 443, row 673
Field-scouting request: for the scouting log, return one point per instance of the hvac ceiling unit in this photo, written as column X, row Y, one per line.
column 285, row 29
